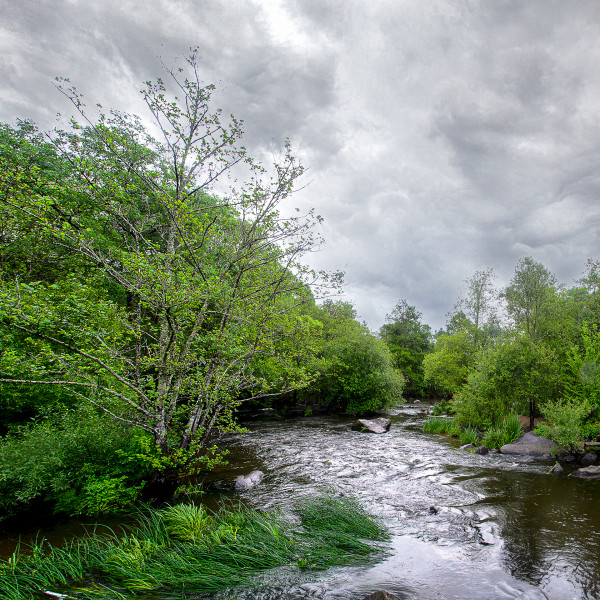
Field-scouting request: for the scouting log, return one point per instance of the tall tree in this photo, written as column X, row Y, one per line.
column 184, row 289
column 478, row 304
column 530, row 296
column 409, row 341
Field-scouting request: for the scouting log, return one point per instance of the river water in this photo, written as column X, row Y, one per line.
column 463, row 526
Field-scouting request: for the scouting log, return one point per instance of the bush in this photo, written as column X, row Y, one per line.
column 441, row 408
column 565, row 423
column 77, row 463
column 505, row 373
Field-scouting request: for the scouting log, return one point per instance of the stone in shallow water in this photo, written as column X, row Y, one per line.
column 379, row 425
column 242, row 482
column 589, row 472
column 530, row 444
column 589, row 458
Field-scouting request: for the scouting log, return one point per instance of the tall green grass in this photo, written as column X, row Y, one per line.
column 185, row 548
column 507, row 432
column 438, row 425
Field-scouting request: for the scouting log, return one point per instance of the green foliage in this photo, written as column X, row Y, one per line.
column 409, row 341
column 153, row 299
column 508, row 376
column 443, row 407
column 469, row 435
column 178, row 551
column 583, row 369
column 565, row 423
column 505, row 433
column 530, row 296
column 448, row 366
column 353, row 369
column 438, row 425
column 78, row 463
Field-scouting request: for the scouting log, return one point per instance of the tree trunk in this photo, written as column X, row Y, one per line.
column 531, row 414
column 161, row 487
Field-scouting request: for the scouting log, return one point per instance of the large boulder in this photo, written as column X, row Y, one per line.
column 591, row 472
column 531, row 444
column 379, row 425
column 245, row 482
column 589, row 458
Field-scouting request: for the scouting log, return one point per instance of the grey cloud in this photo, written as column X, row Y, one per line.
column 441, row 137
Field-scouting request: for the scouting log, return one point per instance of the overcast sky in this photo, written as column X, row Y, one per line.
column 442, row 137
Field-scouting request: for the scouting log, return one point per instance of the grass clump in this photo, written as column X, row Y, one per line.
column 469, row 435
column 440, row 425
column 186, row 548
column 505, row 433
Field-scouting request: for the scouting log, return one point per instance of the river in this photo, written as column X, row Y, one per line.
column 463, row 526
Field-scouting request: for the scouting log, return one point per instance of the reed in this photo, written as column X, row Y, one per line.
column 439, row 425
column 185, row 548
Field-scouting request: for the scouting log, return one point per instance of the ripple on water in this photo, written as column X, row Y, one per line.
column 501, row 528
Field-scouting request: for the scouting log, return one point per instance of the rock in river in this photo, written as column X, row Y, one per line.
column 245, row 482
column 530, row 444
column 379, row 425
column 589, row 458
column 589, row 472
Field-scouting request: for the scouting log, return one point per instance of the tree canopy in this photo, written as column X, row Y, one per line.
column 140, row 288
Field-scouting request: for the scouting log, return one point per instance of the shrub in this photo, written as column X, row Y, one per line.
column 78, row 463
column 565, row 423
column 441, row 408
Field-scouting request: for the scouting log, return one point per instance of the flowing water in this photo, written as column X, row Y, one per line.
column 463, row 526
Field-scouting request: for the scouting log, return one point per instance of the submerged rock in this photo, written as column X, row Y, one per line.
column 556, row 469
column 531, row 444
column 245, row 482
column 381, row 595
column 587, row 472
column 379, row 425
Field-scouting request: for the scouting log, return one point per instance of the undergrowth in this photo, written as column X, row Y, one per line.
column 187, row 549
column 497, row 436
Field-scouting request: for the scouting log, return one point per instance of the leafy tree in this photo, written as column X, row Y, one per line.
column 409, row 341
column 565, row 423
column 181, row 290
column 353, row 370
column 530, row 297
column 478, row 305
column 448, row 366
column 509, row 375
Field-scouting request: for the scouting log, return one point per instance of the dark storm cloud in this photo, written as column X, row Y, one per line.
column 441, row 137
